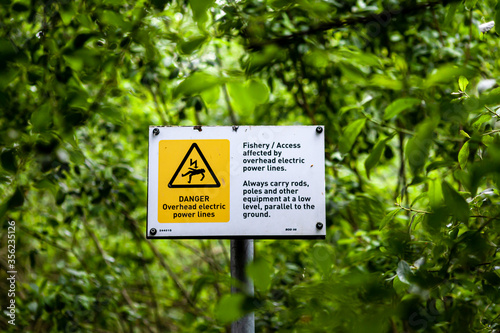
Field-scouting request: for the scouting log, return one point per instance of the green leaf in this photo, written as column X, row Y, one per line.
column 473, row 104
column 8, row 160
column 455, row 203
column 323, row 257
column 259, row 91
column 478, row 122
column 489, row 165
column 200, row 8
column 399, row 106
column 463, row 155
column 446, row 74
column 470, row 4
column 435, row 193
column 404, row 272
column 241, row 97
column 383, row 81
column 399, row 286
column 246, row 96
column 67, row 13
column 317, row 58
column 74, row 62
column 263, row 58
column 260, row 271
column 463, row 177
column 191, row 45
column 112, row 114
column 372, row 159
column 438, row 165
column 115, row 19
column 462, row 83
column 350, row 134
column 388, row 218
column 417, row 148
column 230, row 308
column 196, row 83
column 15, row 201
column 211, row 96
column 450, row 15
column 199, row 284
column 464, row 133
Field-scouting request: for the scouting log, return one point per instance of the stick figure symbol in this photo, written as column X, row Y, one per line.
column 192, row 172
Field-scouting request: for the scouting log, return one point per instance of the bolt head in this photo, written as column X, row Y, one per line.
column 152, row 231
column 319, row 225
column 319, row 129
column 156, row 131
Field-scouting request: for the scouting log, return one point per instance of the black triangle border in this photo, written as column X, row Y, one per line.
column 193, row 146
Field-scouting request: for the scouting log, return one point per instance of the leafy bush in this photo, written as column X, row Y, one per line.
column 407, row 93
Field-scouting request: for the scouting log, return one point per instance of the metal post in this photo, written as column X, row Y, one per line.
column 241, row 256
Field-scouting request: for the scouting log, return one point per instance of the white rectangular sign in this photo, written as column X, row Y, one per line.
column 236, row 182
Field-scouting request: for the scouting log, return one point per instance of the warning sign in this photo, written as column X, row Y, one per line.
column 194, row 165
column 236, row 181
column 193, row 181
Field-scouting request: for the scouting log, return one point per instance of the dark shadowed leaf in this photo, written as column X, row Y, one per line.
column 41, row 118
column 192, row 44
column 374, row 157
column 456, row 204
column 160, row 4
column 417, row 148
column 16, row 200
column 8, row 160
column 450, row 14
column 19, row 7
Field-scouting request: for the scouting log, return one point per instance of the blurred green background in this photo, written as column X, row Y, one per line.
column 408, row 95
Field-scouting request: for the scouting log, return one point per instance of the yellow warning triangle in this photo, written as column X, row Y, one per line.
column 194, row 171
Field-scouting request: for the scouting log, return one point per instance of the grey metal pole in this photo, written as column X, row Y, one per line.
column 241, row 256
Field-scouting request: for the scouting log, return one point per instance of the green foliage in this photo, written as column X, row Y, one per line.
column 399, row 106
column 375, row 154
column 261, row 273
column 456, row 204
column 350, row 134
column 417, row 148
column 230, row 308
column 405, row 89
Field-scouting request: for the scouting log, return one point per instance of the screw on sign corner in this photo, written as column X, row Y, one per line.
column 319, row 129
column 156, row 131
column 152, row 231
column 319, row 225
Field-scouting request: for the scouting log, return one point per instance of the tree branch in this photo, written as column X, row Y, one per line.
column 346, row 22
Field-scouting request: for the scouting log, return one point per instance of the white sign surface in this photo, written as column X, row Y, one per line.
column 236, row 182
